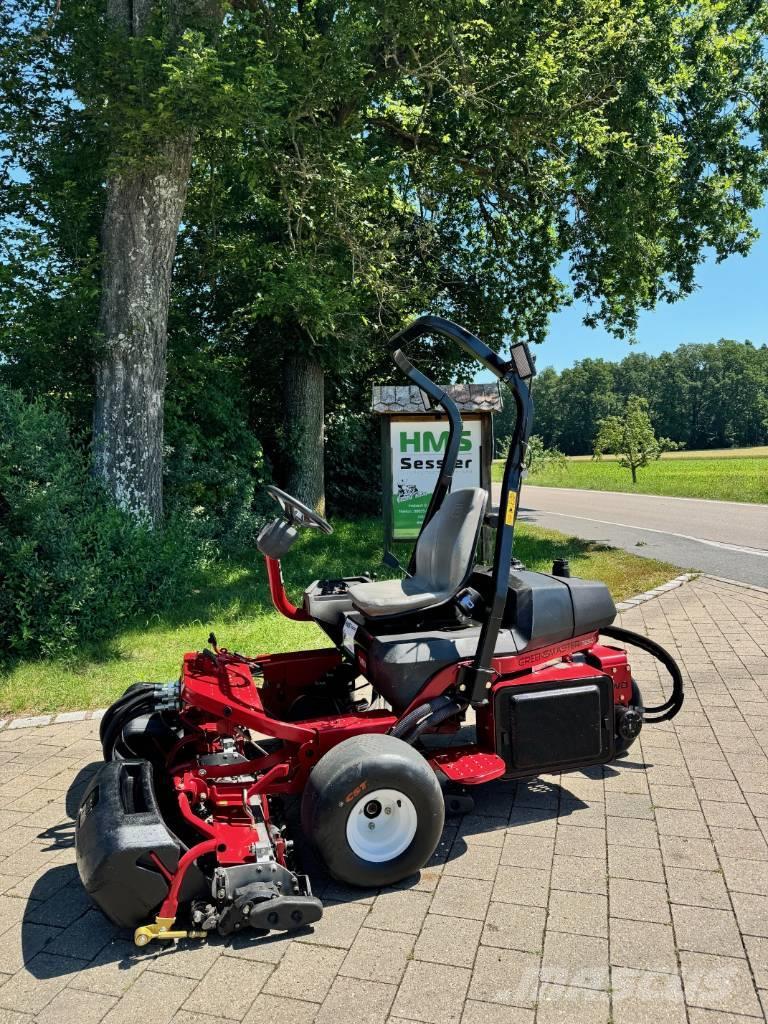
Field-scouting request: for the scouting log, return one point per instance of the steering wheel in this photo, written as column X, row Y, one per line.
column 297, row 512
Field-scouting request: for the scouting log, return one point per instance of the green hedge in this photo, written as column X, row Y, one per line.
column 72, row 566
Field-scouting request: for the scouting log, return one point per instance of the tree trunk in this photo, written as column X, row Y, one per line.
column 633, row 467
column 139, row 230
column 141, row 222
column 303, row 436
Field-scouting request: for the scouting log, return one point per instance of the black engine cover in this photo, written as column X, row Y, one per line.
column 117, row 827
column 554, row 726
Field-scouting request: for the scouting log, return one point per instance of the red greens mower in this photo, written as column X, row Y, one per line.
column 186, row 821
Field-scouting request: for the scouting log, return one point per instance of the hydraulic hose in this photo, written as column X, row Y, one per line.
column 404, row 726
column 667, row 710
column 430, row 714
column 137, row 704
column 114, row 708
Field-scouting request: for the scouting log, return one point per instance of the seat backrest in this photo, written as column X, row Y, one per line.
column 445, row 550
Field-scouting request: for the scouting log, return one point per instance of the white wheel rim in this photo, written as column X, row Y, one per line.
column 382, row 825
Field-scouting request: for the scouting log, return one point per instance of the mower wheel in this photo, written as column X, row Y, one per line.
column 374, row 810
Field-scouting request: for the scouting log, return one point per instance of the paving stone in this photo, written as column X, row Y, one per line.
column 575, row 960
column 683, row 852
column 189, row 958
column 523, row 851
column 730, row 816
column 401, row 910
column 514, row 927
column 717, row 983
column 582, row 815
column 352, row 1001
column 642, row 945
column 739, row 842
column 85, row 937
column 560, row 1004
column 579, row 874
column 678, row 797
column 115, row 969
column 706, row 930
column 580, row 842
column 532, row 821
column 673, row 822
column 491, row 1013
column 698, row 1016
column 495, row 799
column 696, row 888
column 529, row 886
column 757, row 953
column 626, row 781
column 155, row 995
column 629, row 805
column 433, row 993
column 645, row 997
column 638, row 901
column 266, row 949
column 380, row 955
column 305, row 972
column 23, row 947
column 483, row 830
column 11, row 1017
column 537, row 793
column 460, row 897
column 638, row 864
column 64, row 907
column 185, row 1017
column 338, row 926
column 476, row 861
column 276, row 1010
column 32, row 988
column 578, row 912
column 751, row 913
column 441, row 944
column 638, row 833
column 505, row 976
column 73, row 1007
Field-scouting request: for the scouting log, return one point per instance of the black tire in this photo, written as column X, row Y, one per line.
column 338, row 787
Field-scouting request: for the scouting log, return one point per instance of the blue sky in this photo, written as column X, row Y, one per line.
column 731, row 302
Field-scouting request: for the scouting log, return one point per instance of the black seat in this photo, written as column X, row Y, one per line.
column 541, row 610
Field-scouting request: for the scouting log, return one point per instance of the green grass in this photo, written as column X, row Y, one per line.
column 231, row 598
column 726, row 479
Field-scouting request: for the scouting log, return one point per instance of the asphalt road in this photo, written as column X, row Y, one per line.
column 725, row 538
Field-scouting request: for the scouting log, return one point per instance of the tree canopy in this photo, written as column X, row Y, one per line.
column 355, row 164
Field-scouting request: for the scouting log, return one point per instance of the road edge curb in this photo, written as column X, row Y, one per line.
column 663, row 588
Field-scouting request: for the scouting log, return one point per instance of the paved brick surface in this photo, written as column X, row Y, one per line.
column 634, row 893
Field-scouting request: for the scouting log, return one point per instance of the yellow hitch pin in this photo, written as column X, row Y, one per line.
column 161, row 929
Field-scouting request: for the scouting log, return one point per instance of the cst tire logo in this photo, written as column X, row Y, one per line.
column 355, row 792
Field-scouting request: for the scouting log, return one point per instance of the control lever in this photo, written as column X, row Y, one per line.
column 392, row 562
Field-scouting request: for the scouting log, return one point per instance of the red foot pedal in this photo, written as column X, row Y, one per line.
column 469, row 765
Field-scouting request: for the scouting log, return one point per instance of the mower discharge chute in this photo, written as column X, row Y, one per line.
column 183, row 830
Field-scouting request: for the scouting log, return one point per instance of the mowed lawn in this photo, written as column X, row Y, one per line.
column 739, row 477
column 231, row 598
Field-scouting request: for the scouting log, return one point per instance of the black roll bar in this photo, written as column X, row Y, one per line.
column 445, row 477
column 475, row 680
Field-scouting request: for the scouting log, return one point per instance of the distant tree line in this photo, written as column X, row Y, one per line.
column 705, row 396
